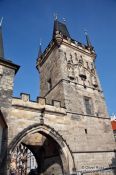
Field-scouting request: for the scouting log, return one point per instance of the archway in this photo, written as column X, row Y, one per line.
column 49, row 149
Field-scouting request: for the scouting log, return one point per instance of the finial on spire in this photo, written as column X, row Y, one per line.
column 88, row 40
column 1, row 21
column 40, row 42
column 40, row 50
column 55, row 16
column 85, row 31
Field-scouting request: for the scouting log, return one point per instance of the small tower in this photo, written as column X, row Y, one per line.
column 7, row 73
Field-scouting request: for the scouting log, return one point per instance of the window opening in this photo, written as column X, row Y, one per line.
column 88, row 105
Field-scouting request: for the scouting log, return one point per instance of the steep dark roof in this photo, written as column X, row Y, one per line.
column 61, row 27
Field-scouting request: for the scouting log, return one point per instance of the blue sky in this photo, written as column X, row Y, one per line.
column 26, row 21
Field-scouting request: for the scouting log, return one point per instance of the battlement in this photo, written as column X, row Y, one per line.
column 40, row 103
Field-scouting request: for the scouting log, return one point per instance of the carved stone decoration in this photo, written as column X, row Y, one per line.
column 82, row 73
column 65, row 57
column 87, row 66
column 58, row 38
column 92, row 66
column 81, row 60
column 76, row 70
column 76, row 58
column 89, row 78
column 70, row 70
column 93, row 71
column 94, row 81
column 71, row 60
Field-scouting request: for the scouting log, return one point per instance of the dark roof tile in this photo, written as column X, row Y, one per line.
column 61, row 27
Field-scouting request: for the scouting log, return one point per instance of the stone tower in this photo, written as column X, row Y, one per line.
column 68, row 74
column 67, row 130
column 7, row 73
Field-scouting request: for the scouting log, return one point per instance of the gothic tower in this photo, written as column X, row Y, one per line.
column 68, row 74
column 65, row 131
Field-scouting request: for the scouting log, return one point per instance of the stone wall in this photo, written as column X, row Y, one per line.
column 89, row 148
column 6, row 86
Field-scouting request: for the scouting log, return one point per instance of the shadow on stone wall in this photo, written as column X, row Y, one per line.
column 113, row 165
column 3, row 156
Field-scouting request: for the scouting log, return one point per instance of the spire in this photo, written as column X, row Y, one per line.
column 88, row 40
column 40, row 50
column 1, row 40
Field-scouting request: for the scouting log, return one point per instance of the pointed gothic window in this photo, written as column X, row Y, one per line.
column 88, row 105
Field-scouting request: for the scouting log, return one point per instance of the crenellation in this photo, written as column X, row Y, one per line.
column 25, row 97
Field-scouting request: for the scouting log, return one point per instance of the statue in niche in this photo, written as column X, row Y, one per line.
column 87, row 65
column 65, row 56
column 92, row 68
column 76, row 58
column 81, row 60
column 92, row 65
column 94, row 81
column 71, row 60
column 82, row 73
column 89, row 80
column 70, row 70
column 77, row 80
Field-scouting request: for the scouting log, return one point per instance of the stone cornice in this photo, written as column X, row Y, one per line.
column 68, row 42
column 9, row 64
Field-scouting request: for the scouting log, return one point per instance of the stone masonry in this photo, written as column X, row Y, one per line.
column 67, row 128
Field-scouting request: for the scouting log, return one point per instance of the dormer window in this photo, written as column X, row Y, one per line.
column 49, row 84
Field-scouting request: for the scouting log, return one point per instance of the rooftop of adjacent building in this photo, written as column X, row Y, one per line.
column 113, row 122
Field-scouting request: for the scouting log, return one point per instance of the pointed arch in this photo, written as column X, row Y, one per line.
column 66, row 155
